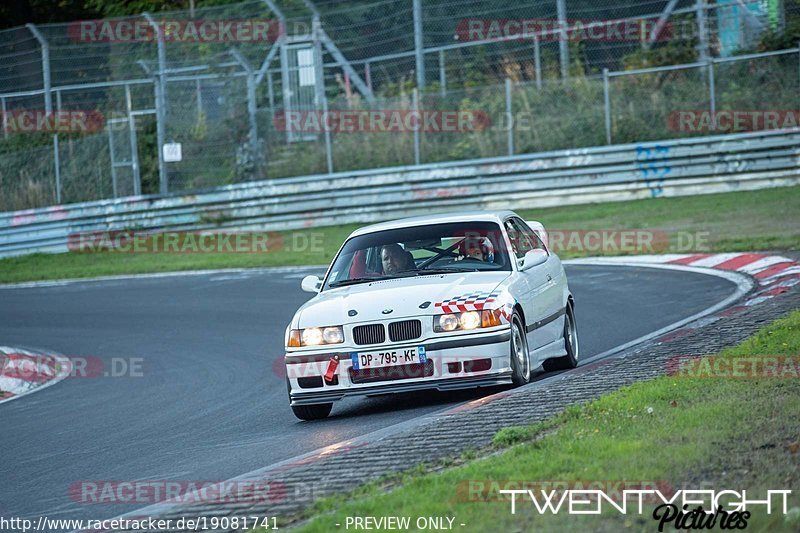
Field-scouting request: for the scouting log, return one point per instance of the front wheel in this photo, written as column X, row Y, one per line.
column 570, row 360
column 312, row 412
column 520, row 359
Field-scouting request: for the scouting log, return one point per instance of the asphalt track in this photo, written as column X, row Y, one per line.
column 208, row 404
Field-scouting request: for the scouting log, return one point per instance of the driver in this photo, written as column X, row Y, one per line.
column 394, row 259
column 479, row 248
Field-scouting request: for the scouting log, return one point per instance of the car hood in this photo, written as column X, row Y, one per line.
column 403, row 296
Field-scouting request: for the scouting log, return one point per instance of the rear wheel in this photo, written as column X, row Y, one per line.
column 570, row 344
column 312, row 412
column 520, row 359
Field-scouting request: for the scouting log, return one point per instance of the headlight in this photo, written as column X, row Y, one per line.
column 315, row 336
column 470, row 320
column 445, row 323
column 467, row 320
column 311, row 336
column 333, row 335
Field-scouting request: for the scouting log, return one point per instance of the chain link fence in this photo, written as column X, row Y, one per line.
column 189, row 100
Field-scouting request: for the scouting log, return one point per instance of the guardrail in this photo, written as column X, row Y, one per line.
column 668, row 168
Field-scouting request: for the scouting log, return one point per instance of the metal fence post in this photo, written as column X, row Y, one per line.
column 442, row 74
column 537, row 61
column 712, row 97
column 563, row 50
column 134, row 142
column 114, row 188
column 160, row 133
column 322, row 97
column 161, row 103
column 3, row 116
column 57, row 153
column 510, row 130
column 328, row 144
column 368, row 75
column 607, row 105
column 57, row 161
column 270, row 93
column 286, row 96
column 702, row 31
column 252, row 108
column 418, row 44
column 48, row 99
column 198, row 91
column 415, row 105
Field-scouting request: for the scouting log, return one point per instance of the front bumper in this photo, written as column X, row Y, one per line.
column 455, row 362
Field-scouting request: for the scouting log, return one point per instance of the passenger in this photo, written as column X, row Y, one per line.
column 480, row 248
column 395, row 259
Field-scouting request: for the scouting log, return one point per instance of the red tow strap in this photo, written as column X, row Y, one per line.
column 333, row 364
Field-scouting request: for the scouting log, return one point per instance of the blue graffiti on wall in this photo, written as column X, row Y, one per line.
column 653, row 163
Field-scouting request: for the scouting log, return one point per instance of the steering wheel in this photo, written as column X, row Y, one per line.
column 441, row 254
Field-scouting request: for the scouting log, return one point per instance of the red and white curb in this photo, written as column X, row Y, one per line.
column 772, row 275
column 23, row 372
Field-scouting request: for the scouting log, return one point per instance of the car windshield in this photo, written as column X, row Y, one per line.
column 420, row 250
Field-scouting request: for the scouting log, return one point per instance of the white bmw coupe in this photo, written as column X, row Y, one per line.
column 436, row 302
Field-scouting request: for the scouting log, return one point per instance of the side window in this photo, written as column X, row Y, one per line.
column 521, row 241
column 537, row 242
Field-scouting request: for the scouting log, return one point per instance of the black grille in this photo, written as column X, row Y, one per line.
column 392, row 373
column 405, row 330
column 310, row 382
column 369, row 334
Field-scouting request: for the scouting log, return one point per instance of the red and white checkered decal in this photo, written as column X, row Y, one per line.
column 474, row 301
column 505, row 313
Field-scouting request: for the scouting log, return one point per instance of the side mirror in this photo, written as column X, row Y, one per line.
column 533, row 258
column 311, row 283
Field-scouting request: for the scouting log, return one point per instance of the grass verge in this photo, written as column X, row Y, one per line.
column 690, row 433
column 743, row 221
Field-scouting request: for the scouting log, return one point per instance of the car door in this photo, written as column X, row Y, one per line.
column 551, row 298
column 545, row 288
column 532, row 283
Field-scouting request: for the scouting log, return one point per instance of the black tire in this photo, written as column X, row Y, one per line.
column 312, row 412
column 570, row 360
column 520, row 358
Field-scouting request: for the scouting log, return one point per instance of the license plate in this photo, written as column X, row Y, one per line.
column 389, row 357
